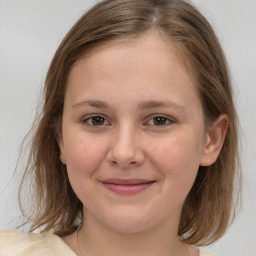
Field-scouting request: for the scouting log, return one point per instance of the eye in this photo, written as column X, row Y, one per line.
column 96, row 121
column 160, row 121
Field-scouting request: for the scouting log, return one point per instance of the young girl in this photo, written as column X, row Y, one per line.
column 135, row 151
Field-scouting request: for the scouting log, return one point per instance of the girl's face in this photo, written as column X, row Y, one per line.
column 133, row 133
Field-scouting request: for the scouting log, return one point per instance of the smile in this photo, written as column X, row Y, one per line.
column 127, row 187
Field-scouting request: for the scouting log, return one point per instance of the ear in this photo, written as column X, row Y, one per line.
column 61, row 146
column 214, row 141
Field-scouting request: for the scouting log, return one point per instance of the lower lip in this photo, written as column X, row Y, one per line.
column 128, row 189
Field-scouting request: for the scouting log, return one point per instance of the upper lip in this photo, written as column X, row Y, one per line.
column 126, row 181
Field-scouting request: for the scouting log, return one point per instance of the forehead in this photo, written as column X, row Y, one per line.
column 143, row 64
column 156, row 39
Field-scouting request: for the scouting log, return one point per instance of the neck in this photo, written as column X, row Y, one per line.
column 97, row 239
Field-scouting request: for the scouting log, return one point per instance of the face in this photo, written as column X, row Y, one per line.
column 133, row 133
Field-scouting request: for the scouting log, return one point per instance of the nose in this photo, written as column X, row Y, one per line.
column 126, row 150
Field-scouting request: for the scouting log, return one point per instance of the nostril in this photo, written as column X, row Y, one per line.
column 113, row 162
column 124, row 158
column 130, row 164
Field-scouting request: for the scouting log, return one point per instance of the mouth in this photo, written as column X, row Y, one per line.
column 127, row 187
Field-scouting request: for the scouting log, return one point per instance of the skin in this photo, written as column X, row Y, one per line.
column 128, row 143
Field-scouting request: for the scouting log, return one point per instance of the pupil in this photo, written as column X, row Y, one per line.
column 97, row 120
column 159, row 120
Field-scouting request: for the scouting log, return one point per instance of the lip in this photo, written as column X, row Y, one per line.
column 127, row 187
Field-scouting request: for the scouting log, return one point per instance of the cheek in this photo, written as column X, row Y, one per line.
column 177, row 159
column 83, row 156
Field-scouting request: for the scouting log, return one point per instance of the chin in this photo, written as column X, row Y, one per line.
column 129, row 222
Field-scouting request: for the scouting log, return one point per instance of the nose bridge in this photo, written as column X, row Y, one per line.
column 124, row 141
column 125, row 147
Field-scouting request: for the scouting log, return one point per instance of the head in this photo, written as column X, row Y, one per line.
column 206, row 211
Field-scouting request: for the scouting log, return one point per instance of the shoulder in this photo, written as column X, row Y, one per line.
column 17, row 243
column 27, row 244
column 204, row 253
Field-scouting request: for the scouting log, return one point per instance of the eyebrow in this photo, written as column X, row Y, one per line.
column 93, row 103
column 141, row 106
column 158, row 104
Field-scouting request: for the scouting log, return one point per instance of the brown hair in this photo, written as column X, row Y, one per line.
column 209, row 206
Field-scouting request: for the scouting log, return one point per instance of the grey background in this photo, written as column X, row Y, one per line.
column 30, row 32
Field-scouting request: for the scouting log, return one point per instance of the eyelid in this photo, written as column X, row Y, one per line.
column 85, row 118
column 168, row 118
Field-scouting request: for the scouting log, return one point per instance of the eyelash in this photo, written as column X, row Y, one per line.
column 88, row 120
column 167, row 119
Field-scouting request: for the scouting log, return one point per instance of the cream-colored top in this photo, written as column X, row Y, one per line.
column 14, row 243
